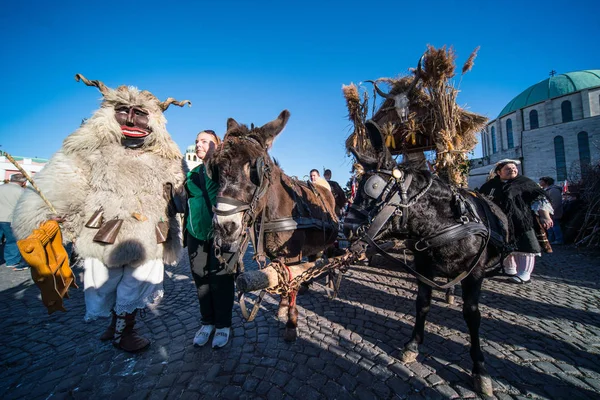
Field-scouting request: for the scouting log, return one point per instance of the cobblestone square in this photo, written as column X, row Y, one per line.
column 540, row 340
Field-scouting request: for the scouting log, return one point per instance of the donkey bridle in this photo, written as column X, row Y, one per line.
column 395, row 201
column 263, row 169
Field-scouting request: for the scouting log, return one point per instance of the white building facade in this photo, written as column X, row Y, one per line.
column 30, row 165
column 553, row 128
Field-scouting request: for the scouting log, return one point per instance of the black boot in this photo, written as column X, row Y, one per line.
column 109, row 333
column 126, row 338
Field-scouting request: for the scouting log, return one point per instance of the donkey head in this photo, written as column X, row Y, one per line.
column 244, row 169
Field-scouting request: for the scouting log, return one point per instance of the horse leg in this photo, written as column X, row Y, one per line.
column 291, row 333
column 471, row 289
column 304, row 286
column 450, row 294
column 284, row 305
column 411, row 348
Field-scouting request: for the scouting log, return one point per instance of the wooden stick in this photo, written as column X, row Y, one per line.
column 265, row 278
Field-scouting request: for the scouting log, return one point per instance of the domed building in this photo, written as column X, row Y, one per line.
column 552, row 127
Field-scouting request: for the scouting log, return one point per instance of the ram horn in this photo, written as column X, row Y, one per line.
column 165, row 104
column 417, row 75
column 381, row 93
column 101, row 86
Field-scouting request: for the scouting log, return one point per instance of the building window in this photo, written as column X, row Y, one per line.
column 195, row 158
column 567, row 112
column 533, row 119
column 509, row 134
column 493, row 140
column 585, row 160
column 561, row 162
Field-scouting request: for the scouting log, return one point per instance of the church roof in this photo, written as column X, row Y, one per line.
column 555, row 86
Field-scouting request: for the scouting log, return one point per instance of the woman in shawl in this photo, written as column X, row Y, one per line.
column 521, row 199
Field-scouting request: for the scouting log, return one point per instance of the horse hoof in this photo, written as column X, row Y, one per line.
column 450, row 300
column 483, row 385
column 290, row 335
column 409, row 356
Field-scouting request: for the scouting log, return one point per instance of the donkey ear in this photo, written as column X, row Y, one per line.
column 274, row 128
column 232, row 124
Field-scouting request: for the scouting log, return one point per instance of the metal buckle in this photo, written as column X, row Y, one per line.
column 424, row 248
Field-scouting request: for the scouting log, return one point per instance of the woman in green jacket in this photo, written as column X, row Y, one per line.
column 214, row 281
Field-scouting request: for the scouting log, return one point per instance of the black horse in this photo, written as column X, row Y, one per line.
column 447, row 228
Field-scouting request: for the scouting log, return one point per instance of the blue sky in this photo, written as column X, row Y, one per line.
column 251, row 59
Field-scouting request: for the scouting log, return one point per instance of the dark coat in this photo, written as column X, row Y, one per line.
column 515, row 198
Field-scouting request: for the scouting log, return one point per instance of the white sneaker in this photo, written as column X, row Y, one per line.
column 203, row 335
column 221, row 337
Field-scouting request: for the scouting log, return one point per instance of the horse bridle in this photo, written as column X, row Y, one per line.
column 397, row 202
column 390, row 201
column 263, row 170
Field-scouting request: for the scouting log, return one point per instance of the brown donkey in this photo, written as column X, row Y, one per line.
column 296, row 219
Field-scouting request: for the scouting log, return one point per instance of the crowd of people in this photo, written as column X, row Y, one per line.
column 129, row 190
column 214, row 277
column 525, row 203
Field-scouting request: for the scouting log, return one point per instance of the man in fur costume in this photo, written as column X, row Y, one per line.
column 111, row 184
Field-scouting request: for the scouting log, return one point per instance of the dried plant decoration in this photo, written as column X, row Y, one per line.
column 434, row 122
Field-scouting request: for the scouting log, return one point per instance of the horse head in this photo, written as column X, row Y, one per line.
column 382, row 182
column 244, row 169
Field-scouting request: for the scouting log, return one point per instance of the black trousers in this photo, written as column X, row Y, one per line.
column 214, row 282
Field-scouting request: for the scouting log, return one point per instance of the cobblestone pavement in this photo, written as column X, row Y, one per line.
column 540, row 341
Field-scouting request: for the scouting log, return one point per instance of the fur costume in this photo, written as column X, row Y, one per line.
column 93, row 170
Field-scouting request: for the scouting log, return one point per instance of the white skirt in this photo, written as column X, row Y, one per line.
column 122, row 289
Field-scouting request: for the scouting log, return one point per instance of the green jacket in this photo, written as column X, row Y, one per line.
column 199, row 218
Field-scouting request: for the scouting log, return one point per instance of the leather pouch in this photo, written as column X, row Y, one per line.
column 109, row 231
column 162, row 231
column 44, row 252
column 541, row 235
column 96, row 220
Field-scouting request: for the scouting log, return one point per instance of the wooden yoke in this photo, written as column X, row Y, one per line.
column 44, row 252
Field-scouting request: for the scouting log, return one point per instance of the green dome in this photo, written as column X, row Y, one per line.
column 555, row 86
column 191, row 148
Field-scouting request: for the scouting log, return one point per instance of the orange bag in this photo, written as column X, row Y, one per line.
column 44, row 252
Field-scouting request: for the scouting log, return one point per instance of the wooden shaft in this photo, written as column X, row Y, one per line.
column 266, row 278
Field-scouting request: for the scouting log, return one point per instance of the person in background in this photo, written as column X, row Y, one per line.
column 519, row 197
column 555, row 234
column 214, row 280
column 338, row 193
column 315, row 178
column 9, row 196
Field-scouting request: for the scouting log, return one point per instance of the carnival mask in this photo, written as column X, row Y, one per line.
column 134, row 125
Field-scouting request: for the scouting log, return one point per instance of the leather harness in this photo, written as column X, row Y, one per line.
column 252, row 223
column 394, row 200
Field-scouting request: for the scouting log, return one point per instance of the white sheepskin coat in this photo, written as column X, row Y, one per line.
column 93, row 170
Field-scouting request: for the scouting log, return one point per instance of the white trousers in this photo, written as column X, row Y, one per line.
column 122, row 289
